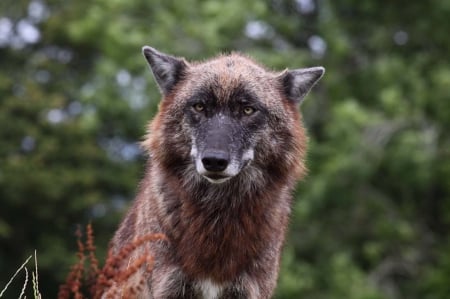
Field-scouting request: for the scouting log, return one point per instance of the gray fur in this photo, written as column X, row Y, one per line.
column 166, row 69
column 299, row 82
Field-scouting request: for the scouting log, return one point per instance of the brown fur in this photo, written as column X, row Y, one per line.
column 228, row 234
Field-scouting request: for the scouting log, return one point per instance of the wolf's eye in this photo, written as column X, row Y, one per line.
column 248, row 110
column 199, row 107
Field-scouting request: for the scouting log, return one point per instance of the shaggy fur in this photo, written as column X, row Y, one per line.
column 226, row 227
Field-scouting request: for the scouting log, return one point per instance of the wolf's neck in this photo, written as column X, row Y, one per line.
column 231, row 224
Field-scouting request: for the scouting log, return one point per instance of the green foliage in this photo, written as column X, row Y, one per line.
column 370, row 221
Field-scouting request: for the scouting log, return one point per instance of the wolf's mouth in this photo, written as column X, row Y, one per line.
column 216, row 178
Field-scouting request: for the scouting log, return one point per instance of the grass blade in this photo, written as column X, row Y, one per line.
column 24, row 284
column 37, row 294
column 15, row 274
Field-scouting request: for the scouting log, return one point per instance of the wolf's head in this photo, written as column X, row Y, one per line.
column 226, row 115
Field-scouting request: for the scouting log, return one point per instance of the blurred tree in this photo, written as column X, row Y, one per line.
column 371, row 220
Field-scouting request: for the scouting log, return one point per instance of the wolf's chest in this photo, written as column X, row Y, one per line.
column 210, row 289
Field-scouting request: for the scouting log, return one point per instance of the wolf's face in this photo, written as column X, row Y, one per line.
column 231, row 111
column 224, row 131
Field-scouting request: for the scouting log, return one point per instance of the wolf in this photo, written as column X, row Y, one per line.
column 225, row 151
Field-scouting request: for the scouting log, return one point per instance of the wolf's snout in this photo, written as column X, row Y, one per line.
column 215, row 161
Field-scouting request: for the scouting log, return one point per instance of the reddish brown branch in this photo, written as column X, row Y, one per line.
column 113, row 280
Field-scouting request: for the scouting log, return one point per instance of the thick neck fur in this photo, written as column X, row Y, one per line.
column 231, row 223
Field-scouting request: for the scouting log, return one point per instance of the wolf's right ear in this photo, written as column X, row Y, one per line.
column 166, row 69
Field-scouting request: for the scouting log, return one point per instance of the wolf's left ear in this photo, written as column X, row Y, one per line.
column 297, row 83
column 166, row 69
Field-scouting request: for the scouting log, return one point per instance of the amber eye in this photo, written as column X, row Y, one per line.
column 199, row 107
column 248, row 110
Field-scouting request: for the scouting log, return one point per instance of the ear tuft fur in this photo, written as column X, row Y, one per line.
column 297, row 83
column 166, row 69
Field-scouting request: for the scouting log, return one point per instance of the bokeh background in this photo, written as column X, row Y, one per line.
column 372, row 219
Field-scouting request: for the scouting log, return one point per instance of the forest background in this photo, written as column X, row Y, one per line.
column 371, row 220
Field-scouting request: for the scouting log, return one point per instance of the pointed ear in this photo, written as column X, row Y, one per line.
column 166, row 69
column 297, row 83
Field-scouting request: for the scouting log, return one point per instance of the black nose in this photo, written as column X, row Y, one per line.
column 215, row 160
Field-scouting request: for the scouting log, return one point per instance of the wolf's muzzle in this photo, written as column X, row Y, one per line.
column 215, row 160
